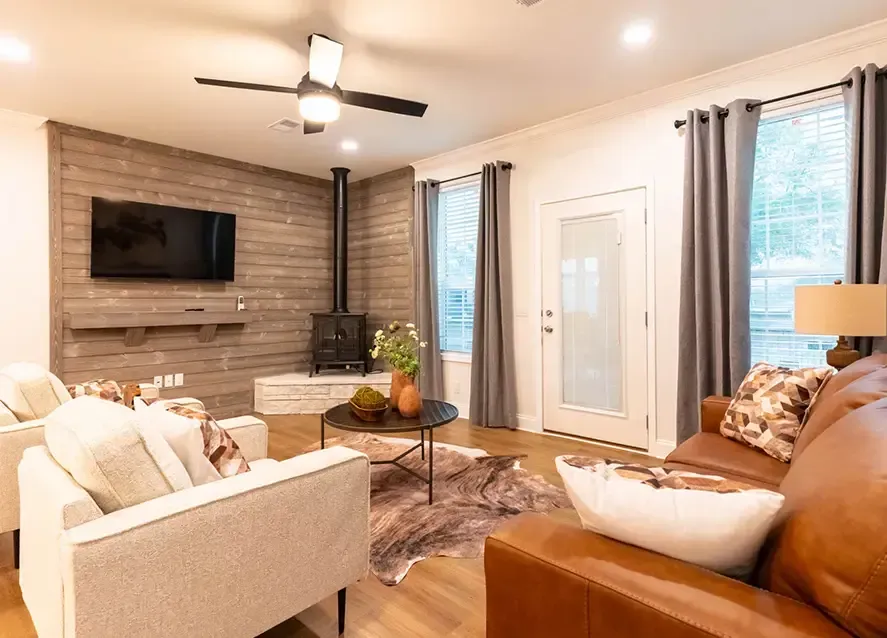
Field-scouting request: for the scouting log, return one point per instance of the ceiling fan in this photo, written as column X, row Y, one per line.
column 320, row 98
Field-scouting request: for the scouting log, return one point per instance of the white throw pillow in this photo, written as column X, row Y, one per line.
column 117, row 460
column 185, row 437
column 719, row 531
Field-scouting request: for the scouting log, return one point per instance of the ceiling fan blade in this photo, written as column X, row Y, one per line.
column 384, row 103
column 310, row 128
column 246, row 85
column 324, row 60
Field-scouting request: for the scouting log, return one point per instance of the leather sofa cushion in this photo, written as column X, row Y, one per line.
column 832, row 407
column 848, row 375
column 711, row 453
column 829, row 547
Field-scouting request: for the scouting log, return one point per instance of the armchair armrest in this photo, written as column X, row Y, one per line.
column 14, row 440
column 547, row 578
column 713, row 411
column 250, row 434
column 268, row 544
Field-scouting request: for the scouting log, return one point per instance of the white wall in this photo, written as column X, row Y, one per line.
column 24, row 239
column 627, row 144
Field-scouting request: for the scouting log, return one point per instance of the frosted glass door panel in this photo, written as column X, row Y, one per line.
column 591, row 314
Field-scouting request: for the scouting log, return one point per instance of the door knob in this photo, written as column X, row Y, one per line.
column 548, row 329
column 548, row 313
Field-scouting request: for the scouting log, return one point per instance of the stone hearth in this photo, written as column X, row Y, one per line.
column 298, row 393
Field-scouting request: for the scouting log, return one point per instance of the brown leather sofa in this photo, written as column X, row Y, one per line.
column 823, row 571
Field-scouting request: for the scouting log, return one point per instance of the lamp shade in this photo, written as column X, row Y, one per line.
column 849, row 310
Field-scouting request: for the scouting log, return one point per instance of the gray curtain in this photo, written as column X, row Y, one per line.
column 431, row 371
column 493, row 384
column 865, row 103
column 714, row 338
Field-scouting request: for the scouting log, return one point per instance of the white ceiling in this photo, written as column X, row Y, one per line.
column 486, row 67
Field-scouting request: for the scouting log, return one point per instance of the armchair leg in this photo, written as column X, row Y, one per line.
column 16, row 544
column 341, row 611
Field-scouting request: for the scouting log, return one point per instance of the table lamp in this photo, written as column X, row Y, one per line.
column 848, row 310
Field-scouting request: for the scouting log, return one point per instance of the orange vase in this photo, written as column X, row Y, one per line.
column 410, row 401
column 398, row 382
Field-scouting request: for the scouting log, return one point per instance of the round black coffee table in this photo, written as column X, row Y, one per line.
column 434, row 414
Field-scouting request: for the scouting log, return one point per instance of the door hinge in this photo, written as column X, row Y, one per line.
column 648, row 423
column 645, row 215
column 646, row 319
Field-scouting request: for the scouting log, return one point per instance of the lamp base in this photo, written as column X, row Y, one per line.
column 842, row 355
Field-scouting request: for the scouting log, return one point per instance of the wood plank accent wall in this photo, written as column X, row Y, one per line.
column 284, row 257
column 380, row 248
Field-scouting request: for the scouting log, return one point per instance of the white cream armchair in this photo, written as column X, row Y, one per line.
column 228, row 559
column 28, row 393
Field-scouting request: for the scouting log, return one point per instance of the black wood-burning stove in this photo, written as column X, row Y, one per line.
column 339, row 336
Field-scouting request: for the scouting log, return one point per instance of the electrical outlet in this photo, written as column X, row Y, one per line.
column 179, row 379
column 158, row 382
column 168, row 381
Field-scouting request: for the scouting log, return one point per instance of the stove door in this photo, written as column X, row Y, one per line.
column 325, row 338
column 351, row 338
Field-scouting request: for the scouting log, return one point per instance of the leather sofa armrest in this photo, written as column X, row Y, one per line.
column 548, row 578
column 713, row 411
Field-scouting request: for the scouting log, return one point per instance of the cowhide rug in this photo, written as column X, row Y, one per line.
column 473, row 494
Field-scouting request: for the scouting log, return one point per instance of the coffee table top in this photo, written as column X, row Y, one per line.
column 434, row 414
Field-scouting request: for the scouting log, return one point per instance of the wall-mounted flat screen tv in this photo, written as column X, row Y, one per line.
column 147, row 241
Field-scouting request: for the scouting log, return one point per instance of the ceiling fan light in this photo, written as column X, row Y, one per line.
column 319, row 107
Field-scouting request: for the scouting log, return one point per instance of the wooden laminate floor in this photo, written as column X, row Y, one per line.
column 439, row 597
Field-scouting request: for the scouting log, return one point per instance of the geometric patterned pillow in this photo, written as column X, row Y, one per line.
column 770, row 407
column 218, row 446
column 99, row 388
column 659, row 477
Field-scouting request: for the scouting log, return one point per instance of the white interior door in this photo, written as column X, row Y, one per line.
column 594, row 318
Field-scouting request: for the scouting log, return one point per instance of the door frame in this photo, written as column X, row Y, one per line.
column 653, row 445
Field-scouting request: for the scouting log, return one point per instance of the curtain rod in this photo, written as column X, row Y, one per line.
column 749, row 107
column 506, row 166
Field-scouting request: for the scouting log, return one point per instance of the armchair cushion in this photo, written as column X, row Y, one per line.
column 218, row 446
column 117, row 460
column 578, row 584
column 30, row 392
column 185, row 437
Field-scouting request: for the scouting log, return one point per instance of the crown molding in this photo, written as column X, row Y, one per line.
column 23, row 120
column 787, row 59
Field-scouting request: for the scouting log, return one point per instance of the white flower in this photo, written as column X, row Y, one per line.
column 422, row 344
column 413, row 333
column 411, row 325
column 375, row 352
column 379, row 333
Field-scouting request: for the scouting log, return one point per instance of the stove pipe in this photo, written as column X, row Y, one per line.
column 340, row 239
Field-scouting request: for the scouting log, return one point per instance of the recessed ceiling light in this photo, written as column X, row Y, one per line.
column 14, row 50
column 349, row 145
column 638, row 34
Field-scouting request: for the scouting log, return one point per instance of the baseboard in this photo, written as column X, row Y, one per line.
column 528, row 423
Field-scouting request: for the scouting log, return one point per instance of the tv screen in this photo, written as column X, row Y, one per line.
column 135, row 240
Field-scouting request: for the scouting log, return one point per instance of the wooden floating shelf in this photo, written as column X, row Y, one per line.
column 135, row 323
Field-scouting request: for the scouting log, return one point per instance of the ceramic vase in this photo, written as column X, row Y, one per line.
column 398, row 382
column 410, row 401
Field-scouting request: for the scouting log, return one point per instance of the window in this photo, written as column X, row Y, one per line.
column 798, row 227
column 458, row 211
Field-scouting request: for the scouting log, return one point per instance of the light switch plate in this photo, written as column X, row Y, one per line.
column 180, row 379
column 158, row 381
column 168, row 381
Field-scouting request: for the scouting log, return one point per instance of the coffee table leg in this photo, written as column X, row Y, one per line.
column 430, row 465
column 322, row 437
column 423, row 443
